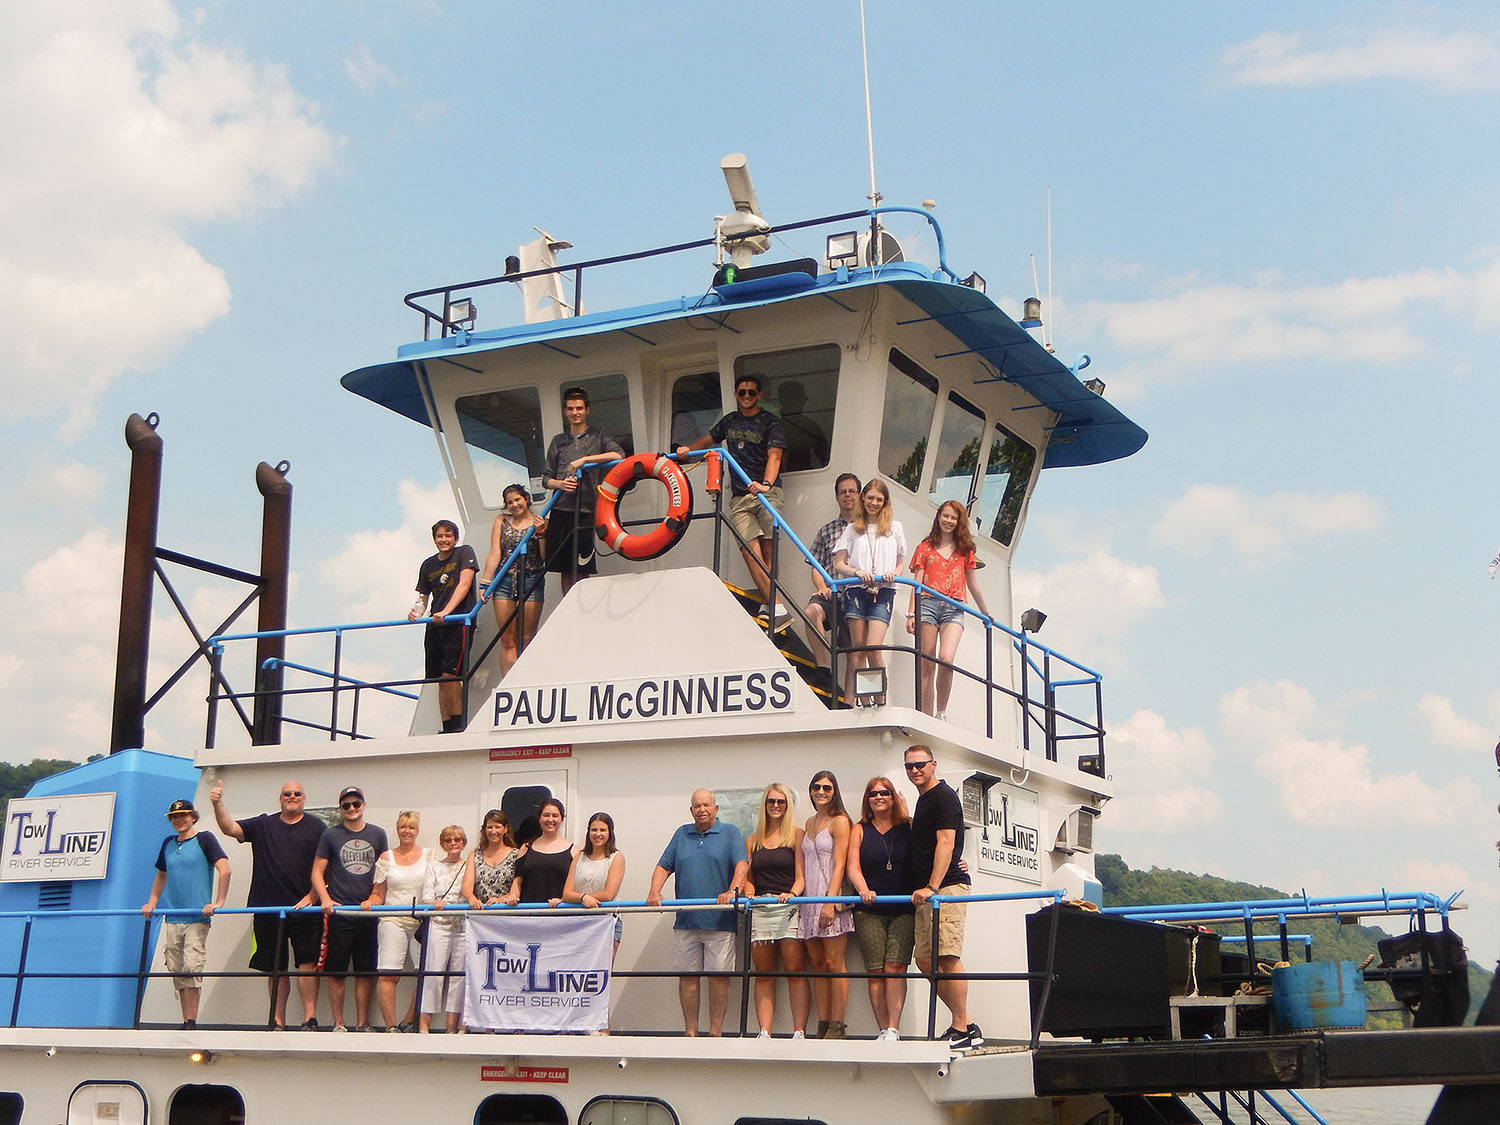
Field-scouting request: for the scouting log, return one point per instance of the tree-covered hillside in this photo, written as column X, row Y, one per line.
column 1332, row 941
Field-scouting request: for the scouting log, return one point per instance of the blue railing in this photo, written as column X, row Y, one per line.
column 1036, row 695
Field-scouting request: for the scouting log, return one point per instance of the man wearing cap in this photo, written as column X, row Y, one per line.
column 283, row 846
column 186, row 864
column 343, row 874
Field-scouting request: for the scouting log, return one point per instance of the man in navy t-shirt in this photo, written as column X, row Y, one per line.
column 283, row 846
column 343, row 874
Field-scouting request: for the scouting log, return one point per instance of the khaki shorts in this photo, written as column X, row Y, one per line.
column 749, row 518
column 184, row 948
column 951, row 916
column 697, row 951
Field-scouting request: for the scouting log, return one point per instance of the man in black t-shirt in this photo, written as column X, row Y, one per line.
column 283, row 846
column 448, row 577
column 937, row 845
column 756, row 440
column 577, row 447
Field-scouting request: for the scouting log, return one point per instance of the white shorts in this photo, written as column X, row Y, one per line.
column 396, row 945
column 696, row 951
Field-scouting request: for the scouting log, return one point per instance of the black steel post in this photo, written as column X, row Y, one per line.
column 129, row 728
column 15, row 1006
column 275, row 564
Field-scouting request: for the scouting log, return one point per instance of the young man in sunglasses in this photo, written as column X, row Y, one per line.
column 343, row 874
column 756, row 439
column 937, row 846
column 282, row 846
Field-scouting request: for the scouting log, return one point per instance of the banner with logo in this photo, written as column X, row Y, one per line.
column 53, row 838
column 538, row 973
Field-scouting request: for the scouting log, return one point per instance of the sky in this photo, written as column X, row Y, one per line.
column 1275, row 230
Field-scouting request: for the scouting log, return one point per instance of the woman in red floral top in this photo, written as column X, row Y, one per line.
column 943, row 561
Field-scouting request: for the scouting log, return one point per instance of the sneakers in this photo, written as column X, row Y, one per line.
column 799, row 1034
column 339, row 1027
column 966, row 1039
column 310, row 1025
column 188, row 1025
column 889, row 1035
column 783, row 616
column 764, row 1034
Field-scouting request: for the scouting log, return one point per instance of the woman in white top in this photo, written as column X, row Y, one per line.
column 399, row 875
column 597, row 872
column 871, row 549
column 444, row 887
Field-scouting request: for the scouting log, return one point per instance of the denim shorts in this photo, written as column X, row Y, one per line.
column 862, row 604
column 522, row 585
column 937, row 612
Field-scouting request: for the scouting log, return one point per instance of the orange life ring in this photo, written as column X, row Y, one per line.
column 620, row 480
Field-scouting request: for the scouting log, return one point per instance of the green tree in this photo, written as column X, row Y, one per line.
column 16, row 781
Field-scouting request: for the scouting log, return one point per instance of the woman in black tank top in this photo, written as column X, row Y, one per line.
column 775, row 855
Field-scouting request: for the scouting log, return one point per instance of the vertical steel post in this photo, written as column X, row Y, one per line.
column 275, row 564
column 129, row 727
column 15, row 1006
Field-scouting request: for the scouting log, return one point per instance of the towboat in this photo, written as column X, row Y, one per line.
column 663, row 674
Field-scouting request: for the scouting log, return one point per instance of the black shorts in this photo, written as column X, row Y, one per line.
column 350, row 939
column 569, row 541
column 825, row 602
column 445, row 650
column 304, row 932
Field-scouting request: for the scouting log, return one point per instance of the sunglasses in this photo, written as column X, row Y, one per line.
column 821, row 788
column 873, row 793
column 291, row 793
column 920, row 765
column 745, row 392
column 351, row 804
column 775, row 800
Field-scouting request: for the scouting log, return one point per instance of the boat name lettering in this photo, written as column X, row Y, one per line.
column 724, row 693
column 48, row 838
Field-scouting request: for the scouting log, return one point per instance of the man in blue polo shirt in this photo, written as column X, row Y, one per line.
column 708, row 859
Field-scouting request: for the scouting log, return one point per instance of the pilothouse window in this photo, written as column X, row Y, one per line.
column 1007, row 474
column 503, row 435
column 958, row 452
column 910, row 401
column 609, row 407
column 696, row 405
column 802, row 388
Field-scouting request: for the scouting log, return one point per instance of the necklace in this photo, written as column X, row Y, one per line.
column 885, row 841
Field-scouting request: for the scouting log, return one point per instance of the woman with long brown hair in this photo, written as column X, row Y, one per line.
column 826, row 926
column 872, row 549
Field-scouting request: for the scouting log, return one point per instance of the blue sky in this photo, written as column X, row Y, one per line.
column 1275, row 230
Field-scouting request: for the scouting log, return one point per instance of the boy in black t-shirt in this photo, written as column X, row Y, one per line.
column 448, row 577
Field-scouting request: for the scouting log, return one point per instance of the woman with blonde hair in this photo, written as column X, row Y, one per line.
column 826, row 926
column 775, row 855
column 872, row 549
column 943, row 561
column 878, row 865
column 399, row 875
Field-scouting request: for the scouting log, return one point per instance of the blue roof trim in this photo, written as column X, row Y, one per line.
column 1088, row 431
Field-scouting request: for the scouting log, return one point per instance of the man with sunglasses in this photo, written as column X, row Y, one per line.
column 343, row 874
column 937, row 846
column 282, row 847
column 756, row 439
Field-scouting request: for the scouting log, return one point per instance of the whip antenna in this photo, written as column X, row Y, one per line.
column 874, row 196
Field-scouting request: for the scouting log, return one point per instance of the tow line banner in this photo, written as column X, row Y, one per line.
column 538, row 973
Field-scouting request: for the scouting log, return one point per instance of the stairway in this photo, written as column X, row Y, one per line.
column 791, row 644
column 1153, row 1109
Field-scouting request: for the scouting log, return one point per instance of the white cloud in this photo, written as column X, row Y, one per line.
column 1208, row 327
column 1456, row 61
column 1161, row 776
column 1447, row 728
column 366, row 72
column 1088, row 600
column 59, row 485
column 134, row 130
column 1319, row 779
column 1208, row 518
column 374, row 576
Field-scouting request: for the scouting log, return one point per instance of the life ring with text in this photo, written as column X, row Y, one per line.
column 619, row 481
